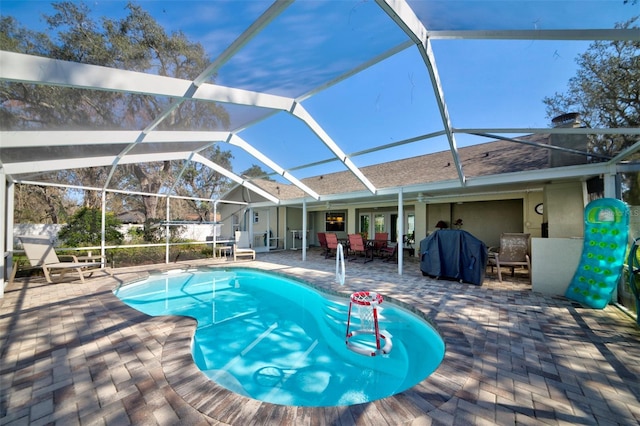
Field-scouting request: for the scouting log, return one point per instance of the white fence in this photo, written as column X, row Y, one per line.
column 190, row 231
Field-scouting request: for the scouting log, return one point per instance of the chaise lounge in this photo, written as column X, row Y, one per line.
column 242, row 247
column 41, row 254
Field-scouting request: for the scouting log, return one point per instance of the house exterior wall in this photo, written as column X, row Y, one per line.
column 420, row 222
column 318, row 218
column 436, row 213
column 533, row 220
column 390, row 214
column 292, row 219
column 352, row 220
column 315, row 219
column 268, row 222
column 486, row 220
column 484, row 215
column 564, row 209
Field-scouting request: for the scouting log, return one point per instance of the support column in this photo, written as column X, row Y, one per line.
column 215, row 228
column 611, row 187
column 304, row 229
column 103, row 229
column 250, row 230
column 400, row 231
column 6, row 261
column 167, row 230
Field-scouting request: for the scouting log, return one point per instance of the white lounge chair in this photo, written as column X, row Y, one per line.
column 41, row 253
column 242, row 246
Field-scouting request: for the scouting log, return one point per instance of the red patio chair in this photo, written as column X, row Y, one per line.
column 380, row 242
column 332, row 244
column 389, row 253
column 322, row 239
column 357, row 246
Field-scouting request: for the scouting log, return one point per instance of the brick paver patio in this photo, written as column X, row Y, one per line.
column 74, row 354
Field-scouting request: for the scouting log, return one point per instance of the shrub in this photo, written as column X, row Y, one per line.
column 84, row 229
column 132, row 256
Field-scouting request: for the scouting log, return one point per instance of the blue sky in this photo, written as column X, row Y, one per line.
column 486, row 83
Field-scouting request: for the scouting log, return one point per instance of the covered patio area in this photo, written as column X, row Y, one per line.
column 74, row 354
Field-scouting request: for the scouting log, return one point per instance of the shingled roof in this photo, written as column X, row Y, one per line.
column 490, row 158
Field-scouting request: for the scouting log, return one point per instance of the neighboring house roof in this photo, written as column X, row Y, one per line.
column 132, row 216
column 283, row 191
column 490, row 158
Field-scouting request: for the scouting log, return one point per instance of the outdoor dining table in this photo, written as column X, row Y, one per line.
column 376, row 244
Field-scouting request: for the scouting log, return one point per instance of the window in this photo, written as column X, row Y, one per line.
column 411, row 228
column 365, row 221
column 335, row 222
column 411, row 224
column 378, row 222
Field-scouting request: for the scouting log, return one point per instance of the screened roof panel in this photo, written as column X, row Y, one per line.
column 242, row 160
column 155, row 148
column 366, row 111
column 314, row 85
column 57, row 152
column 468, row 15
column 310, row 44
column 289, row 142
column 241, row 116
column 215, row 24
column 420, row 147
column 512, row 77
column 107, row 109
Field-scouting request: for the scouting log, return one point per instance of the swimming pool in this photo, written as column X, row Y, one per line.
column 278, row 340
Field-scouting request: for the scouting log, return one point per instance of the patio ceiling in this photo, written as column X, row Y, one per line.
column 282, row 80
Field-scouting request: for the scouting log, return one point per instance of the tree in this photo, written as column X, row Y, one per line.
column 256, row 171
column 605, row 91
column 85, row 229
column 202, row 182
column 41, row 204
column 151, row 178
column 135, row 42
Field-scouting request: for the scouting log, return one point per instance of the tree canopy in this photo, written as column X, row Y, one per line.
column 135, row 42
column 256, row 171
column 605, row 91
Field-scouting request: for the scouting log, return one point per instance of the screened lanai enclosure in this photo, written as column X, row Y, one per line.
column 311, row 92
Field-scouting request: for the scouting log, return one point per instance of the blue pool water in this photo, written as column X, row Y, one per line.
column 277, row 340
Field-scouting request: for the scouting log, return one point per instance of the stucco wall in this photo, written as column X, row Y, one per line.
column 533, row 220
column 435, row 213
column 420, row 222
column 553, row 263
column 486, row 220
column 564, row 209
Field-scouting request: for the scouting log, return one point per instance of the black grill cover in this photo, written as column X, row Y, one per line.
column 454, row 254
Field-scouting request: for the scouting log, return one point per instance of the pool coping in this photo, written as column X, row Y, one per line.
column 223, row 405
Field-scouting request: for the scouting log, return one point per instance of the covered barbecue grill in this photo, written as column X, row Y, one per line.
column 453, row 254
